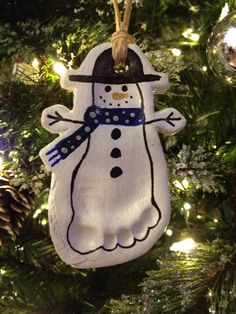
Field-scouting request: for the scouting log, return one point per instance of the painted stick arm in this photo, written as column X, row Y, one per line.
column 58, row 119
column 169, row 121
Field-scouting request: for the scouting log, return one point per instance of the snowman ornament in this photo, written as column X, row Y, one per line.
column 109, row 199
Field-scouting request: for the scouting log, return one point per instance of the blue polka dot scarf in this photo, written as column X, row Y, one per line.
column 93, row 117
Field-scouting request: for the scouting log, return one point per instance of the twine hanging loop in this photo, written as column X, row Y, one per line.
column 121, row 38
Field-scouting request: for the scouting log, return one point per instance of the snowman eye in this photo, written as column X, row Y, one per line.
column 124, row 88
column 107, row 88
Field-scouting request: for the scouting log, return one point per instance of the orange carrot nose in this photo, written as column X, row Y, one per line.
column 118, row 96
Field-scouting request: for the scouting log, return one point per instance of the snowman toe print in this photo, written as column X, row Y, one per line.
column 109, row 198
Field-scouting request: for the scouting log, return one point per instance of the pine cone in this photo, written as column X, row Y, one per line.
column 14, row 207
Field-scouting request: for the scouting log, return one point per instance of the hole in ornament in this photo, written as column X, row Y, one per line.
column 121, row 68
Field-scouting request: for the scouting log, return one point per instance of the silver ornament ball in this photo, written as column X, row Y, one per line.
column 221, row 49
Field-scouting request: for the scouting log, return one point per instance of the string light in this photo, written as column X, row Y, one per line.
column 185, row 183
column 199, row 217
column 44, row 222
column 169, row 232
column 35, row 63
column 190, row 35
column 215, row 220
column 178, row 185
column 187, row 206
column 182, row 185
column 187, row 33
column 194, row 8
column 2, row 271
column 229, row 79
column 36, row 213
column 25, row 134
column 44, row 206
column 176, row 52
column 204, row 68
column 184, row 246
column 59, row 68
column 195, row 37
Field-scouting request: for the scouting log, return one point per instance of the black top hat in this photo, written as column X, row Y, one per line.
column 104, row 72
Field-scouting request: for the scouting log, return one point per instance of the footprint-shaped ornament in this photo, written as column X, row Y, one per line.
column 109, row 199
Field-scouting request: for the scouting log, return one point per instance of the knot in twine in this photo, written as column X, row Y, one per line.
column 121, row 39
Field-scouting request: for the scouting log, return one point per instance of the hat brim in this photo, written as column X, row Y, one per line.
column 119, row 79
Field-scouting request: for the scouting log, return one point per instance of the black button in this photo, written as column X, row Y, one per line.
column 115, row 134
column 116, row 153
column 116, row 172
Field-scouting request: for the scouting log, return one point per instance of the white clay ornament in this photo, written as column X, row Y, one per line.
column 109, row 199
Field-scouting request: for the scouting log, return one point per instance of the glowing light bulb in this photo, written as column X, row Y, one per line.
column 185, row 183
column 36, row 213
column 229, row 79
column 44, row 222
column 178, row 185
column 44, row 206
column 195, row 37
column 176, row 52
column 215, row 220
column 59, row 68
column 187, row 32
column 169, row 232
column 35, row 63
column 184, row 246
column 210, row 293
column 190, row 35
column 2, row 271
column 187, row 206
column 181, row 185
column 204, row 68
column 194, row 8
column 199, row 217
